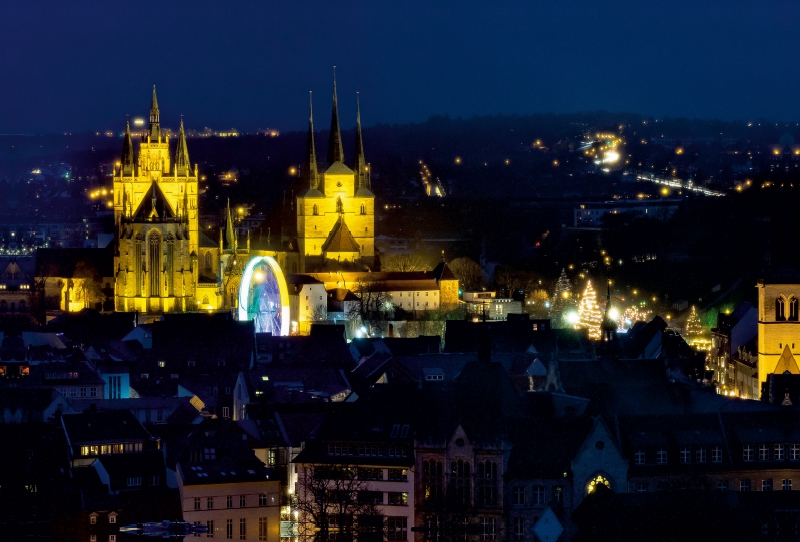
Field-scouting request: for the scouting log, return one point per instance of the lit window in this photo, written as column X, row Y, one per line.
column 778, row 452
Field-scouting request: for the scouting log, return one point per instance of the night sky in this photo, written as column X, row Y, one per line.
column 82, row 65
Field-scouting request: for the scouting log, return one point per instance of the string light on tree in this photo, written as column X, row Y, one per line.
column 562, row 298
column 694, row 327
column 589, row 314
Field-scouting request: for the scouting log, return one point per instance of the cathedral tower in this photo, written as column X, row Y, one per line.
column 779, row 292
column 335, row 210
column 155, row 214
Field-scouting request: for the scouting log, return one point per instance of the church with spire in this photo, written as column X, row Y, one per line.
column 336, row 206
column 156, row 221
column 164, row 262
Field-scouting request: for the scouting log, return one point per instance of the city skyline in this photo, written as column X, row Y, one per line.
column 251, row 66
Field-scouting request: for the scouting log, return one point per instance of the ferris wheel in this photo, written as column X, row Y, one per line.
column 263, row 297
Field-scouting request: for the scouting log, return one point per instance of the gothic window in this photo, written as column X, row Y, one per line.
column 208, row 261
column 487, row 483
column 315, row 210
column 432, row 481
column 339, row 205
column 780, row 309
column 793, row 309
column 155, row 264
column 363, row 209
column 461, row 479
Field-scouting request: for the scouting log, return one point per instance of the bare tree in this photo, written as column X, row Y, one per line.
column 335, row 504
column 469, row 273
column 373, row 306
column 319, row 312
column 404, row 262
column 88, row 284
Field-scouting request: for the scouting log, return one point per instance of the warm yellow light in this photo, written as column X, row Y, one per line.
column 292, row 170
column 665, row 191
column 555, row 163
column 104, row 192
column 776, row 152
column 258, row 275
column 679, row 150
column 240, row 210
column 635, row 292
column 565, row 294
column 507, row 161
column 458, row 160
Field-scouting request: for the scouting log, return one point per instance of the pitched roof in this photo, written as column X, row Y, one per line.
column 443, row 272
column 154, row 206
column 338, row 168
column 104, row 426
column 786, row 363
column 340, row 239
column 61, row 262
column 205, row 241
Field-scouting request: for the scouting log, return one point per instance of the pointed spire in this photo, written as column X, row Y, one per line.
column 310, row 173
column 155, row 123
column 126, row 162
column 182, row 165
column 359, row 163
column 335, row 151
column 230, row 237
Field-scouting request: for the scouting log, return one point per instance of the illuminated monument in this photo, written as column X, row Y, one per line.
column 164, row 263
column 779, row 295
column 155, row 214
column 336, row 208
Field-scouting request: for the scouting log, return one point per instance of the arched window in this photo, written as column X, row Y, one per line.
column 794, row 305
column 339, row 205
column 315, row 210
column 155, row 264
column 363, row 209
column 208, row 261
column 780, row 309
column 461, row 481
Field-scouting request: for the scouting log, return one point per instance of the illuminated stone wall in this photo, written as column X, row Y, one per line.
column 774, row 335
column 358, row 212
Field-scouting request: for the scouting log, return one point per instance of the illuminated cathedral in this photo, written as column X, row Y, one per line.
column 336, row 207
column 155, row 215
column 163, row 262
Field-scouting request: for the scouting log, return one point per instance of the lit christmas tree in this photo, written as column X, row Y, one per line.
column 562, row 298
column 694, row 327
column 589, row 314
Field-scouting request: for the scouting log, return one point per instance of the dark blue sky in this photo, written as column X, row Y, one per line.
column 82, row 65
